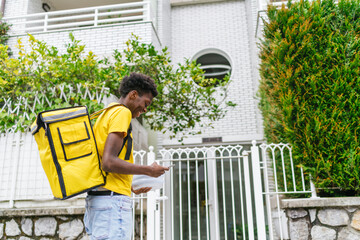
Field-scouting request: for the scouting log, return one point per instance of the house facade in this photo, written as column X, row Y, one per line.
column 211, row 31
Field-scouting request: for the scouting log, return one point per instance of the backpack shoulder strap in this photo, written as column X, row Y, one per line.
column 129, row 145
column 128, row 136
column 96, row 114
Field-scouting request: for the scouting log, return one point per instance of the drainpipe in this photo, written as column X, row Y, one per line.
column 2, row 7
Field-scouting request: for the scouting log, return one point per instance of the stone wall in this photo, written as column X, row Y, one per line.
column 48, row 224
column 323, row 218
column 45, row 227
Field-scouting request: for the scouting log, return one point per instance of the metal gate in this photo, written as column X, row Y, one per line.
column 212, row 193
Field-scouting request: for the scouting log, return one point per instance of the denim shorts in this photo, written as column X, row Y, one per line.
column 108, row 217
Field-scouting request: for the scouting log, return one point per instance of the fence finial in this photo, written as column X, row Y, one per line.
column 151, row 148
column 245, row 153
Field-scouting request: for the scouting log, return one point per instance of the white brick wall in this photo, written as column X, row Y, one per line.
column 253, row 30
column 164, row 22
column 101, row 40
column 15, row 8
column 223, row 26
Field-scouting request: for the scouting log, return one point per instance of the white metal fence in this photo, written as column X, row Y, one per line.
column 224, row 192
column 23, row 183
column 81, row 17
column 24, row 107
column 281, row 179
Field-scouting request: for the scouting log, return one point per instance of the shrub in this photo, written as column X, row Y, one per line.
column 38, row 78
column 4, row 28
column 310, row 87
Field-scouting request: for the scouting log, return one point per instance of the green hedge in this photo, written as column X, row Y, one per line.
column 310, row 87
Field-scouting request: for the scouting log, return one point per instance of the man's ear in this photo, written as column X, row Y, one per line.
column 133, row 94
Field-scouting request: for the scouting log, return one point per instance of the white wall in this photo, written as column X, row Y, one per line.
column 35, row 6
column 101, row 40
column 223, row 26
column 15, row 7
column 254, row 32
column 164, row 22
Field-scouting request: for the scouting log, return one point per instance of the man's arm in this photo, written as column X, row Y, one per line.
column 111, row 162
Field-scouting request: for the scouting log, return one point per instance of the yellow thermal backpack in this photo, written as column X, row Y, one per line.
column 68, row 150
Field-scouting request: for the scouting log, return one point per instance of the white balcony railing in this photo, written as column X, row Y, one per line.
column 81, row 17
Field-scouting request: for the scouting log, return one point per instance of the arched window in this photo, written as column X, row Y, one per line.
column 215, row 63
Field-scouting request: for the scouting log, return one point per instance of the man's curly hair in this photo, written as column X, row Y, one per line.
column 139, row 82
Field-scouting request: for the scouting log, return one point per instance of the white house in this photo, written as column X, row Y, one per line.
column 215, row 32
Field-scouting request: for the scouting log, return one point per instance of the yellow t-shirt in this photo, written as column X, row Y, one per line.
column 116, row 119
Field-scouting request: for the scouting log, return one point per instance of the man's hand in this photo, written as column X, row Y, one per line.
column 141, row 190
column 155, row 170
